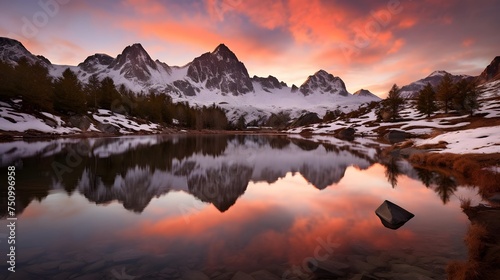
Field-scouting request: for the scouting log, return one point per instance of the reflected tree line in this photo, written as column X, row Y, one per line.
column 147, row 170
column 443, row 184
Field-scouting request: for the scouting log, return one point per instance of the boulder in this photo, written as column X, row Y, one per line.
column 81, row 122
column 346, row 133
column 108, row 128
column 306, row 119
column 393, row 216
column 396, row 136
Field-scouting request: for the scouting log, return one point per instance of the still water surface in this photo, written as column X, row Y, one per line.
column 186, row 207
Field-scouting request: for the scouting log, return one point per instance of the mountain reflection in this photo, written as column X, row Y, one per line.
column 134, row 170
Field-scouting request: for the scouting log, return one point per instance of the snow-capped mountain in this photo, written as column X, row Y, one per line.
column 96, row 63
column 12, row 51
column 222, row 71
column 216, row 77
column 411, row 90
column 491, row 73
column 364, row 92
column 323, row 82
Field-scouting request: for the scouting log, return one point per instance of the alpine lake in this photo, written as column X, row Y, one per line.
column 225, row 207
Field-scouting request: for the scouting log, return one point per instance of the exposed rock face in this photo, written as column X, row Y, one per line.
column 323, row 82
column 185, row 87
column 221, row 70
column 134, row 62
column 491, row 73
column 12, row 51
column 82, row 122
column 92, row 63
column 306, row 119
column 270, row 82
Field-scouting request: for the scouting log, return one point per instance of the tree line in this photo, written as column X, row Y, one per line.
column 68, row 96
column 461, row 96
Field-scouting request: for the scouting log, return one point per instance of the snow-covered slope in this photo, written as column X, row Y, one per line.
column 216, row 77
column 464, row 134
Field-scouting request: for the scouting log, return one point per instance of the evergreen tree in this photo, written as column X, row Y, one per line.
column 33, row 83
column 466, row 97
column 68, row 93
column 6, row 80
column 445, row 92
column 426, row 100
column 92, row 90
column 107, row 93
column 389, row 107
column 241, row 123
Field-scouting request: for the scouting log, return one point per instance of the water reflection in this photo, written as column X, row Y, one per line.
column 220, row 204
column 214, row 169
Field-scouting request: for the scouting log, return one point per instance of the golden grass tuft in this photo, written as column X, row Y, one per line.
column 475, row 239
column 468, row 270
column 466, row 166
column 465, row 203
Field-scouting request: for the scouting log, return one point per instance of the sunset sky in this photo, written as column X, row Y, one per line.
column 369, row 44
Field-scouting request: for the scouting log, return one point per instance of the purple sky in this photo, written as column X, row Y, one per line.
column 369, row 44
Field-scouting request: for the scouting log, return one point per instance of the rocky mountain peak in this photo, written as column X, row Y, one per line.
column 12, row 51
column 491, row 72
column 323, row 82
column 134, row 62
column 269, row 83
column 222, row 52
column 439, row 73
column 92, row 63
column 222, row 71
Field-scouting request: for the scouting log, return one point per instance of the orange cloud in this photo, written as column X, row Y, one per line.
column 468, row 42
column 407, row 23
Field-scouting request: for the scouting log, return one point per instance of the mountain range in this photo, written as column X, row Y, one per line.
column 216, row 77
column 220, row 78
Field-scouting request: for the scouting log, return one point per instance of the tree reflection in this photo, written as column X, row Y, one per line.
column 446, row 187
column 392, row 171
column 425, row 176
column 214, row 169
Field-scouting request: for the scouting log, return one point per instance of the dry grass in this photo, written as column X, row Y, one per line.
column 465, row 203
column 468, row 270
column 467, row 168
column 475, row 241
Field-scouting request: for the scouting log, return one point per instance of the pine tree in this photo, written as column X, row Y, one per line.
column 445, row 92
column 390, row 106
column 466, row 97
column 68, row 93
column 33, row 83
column 92, row 89
column 6, row 80
column 426, row 100
column 107, row 93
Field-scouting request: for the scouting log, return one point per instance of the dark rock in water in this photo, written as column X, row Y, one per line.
column 396, row 136
column 495, row 198
column 392, row 215
column 346, row 133
column 108, row 128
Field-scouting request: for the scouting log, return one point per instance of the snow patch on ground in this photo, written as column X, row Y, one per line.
column 479, row 140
